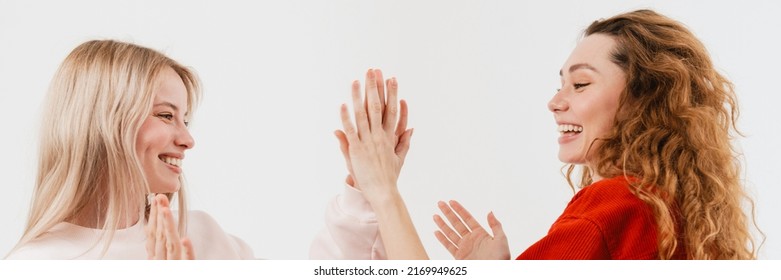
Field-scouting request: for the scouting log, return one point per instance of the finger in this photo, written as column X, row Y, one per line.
column 496, row 226
column 187, row 249
column 173, row 244
column 160, row 249
column 403, row 146
column 470, row 221
column 349, row 129
column 448, row 245
column 446, row 230
column 401, row 127
column 379, row 80
column 361, row 118
column 380, row 90
column 151, row 228
column 374, row 106
column 350, row 181
column 391, row 106
column 454, row 220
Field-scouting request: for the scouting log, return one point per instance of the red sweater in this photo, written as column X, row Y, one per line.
column 603, row 221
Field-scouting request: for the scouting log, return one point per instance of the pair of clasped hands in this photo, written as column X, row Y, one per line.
column 374, row 149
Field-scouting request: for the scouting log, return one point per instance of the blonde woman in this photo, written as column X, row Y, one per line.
column 645, row 115
column 113, row 141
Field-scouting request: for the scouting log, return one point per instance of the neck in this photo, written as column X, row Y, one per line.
column 594, row 175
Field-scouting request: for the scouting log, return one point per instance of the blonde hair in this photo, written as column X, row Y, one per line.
column 97, row 101
column 673, row 131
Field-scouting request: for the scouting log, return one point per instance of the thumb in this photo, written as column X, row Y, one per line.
column 349, row 180
column 187, row 249
column 496, row 226
column 344, row 145
column 403, row 146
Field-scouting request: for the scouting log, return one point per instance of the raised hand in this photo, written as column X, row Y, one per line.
column 162, row 235
column 466, row 239
column 376, row 149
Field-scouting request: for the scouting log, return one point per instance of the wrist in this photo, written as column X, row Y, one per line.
column 383, row 197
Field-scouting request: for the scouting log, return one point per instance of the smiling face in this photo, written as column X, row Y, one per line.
column 586, row 104
column 163, row 137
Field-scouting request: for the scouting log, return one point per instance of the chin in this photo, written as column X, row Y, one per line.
column 166, row 188
column 569, row 159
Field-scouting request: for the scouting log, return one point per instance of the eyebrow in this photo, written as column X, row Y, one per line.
column 579, row 66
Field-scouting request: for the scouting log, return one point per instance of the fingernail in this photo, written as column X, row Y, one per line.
column 370, row 74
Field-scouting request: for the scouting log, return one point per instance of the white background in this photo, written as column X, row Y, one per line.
column 477, row 76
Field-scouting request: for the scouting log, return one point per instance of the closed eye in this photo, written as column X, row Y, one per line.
column 579, row 86
column 166, row 116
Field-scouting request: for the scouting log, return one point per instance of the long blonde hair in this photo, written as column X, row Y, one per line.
column 673, row 130
column 97, row 101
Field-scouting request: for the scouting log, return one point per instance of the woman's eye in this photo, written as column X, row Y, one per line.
column 166, row 116
column 579, row 86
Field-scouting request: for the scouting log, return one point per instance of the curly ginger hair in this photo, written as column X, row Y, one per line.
column 673, row 131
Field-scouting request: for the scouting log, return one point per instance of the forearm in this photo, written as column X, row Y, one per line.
column 399, row 235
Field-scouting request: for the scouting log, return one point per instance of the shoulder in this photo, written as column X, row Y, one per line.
column 210, row 241
column 626, row 222
column 63, row 241
column 607, row 197
column 201, row 220
column 201, row 225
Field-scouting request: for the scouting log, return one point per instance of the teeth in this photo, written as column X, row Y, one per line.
column 172, row 161
column 570, row 128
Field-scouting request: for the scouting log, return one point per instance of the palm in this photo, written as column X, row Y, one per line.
column 479, row 245
column 466, row 239
column 375, row 147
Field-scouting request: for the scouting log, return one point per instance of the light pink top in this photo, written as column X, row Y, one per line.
column 70, row 241
column 351, row 232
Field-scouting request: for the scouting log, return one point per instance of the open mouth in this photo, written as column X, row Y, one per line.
column 171, row 161
column 569, row 129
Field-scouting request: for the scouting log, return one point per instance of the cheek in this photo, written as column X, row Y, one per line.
column 150, row 138
column 604, row 108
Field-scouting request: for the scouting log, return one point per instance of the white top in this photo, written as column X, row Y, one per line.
column 351, row 232
column 70, row 241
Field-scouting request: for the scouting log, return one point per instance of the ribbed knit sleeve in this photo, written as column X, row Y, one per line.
column 569, row 239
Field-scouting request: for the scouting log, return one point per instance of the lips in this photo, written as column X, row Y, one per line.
column 171, row 160
column 569, row 128
column 568, row 132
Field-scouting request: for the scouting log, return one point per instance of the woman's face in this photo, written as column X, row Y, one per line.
column 587, row 102
column 163, row 138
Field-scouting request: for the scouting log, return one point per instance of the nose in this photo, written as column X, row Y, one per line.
column 558, row 102
column 184, row 139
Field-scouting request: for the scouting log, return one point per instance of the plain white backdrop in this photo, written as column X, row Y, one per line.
column 477, row 76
